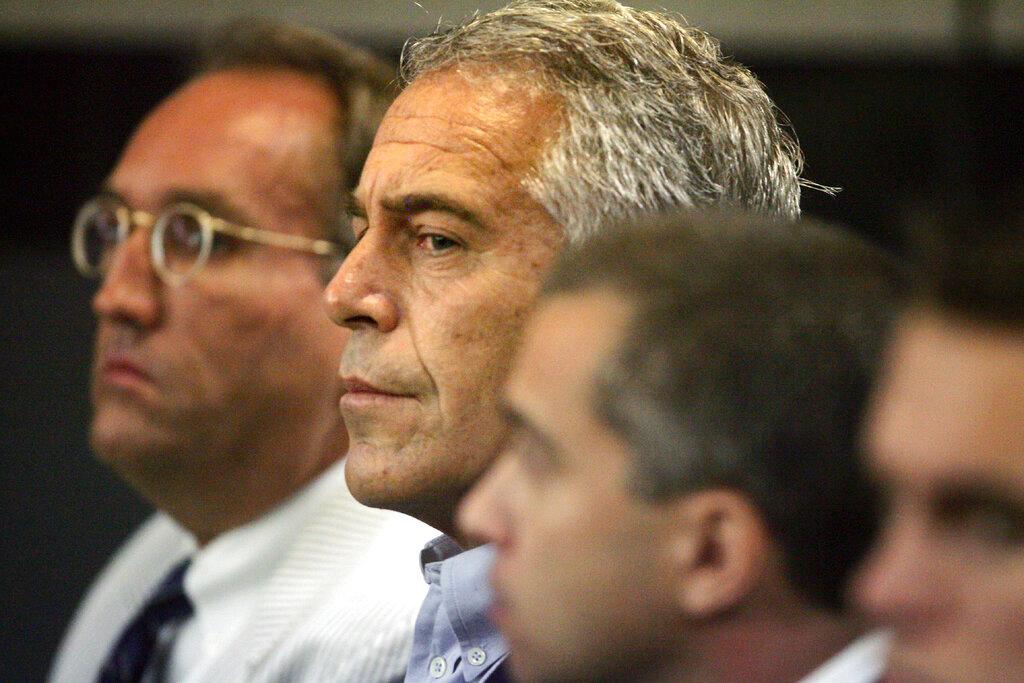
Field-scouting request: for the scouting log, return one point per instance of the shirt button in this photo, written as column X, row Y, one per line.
column 476, row 656
column 437, row 667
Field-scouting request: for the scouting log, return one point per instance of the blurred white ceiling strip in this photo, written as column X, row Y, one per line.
column 839, row 27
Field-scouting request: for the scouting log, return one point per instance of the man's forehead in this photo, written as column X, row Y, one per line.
column 266, row 112
column 249, row 89
column 473, row 91
column 567, row 338
column 496, row 116
column 247, row 136
column 951, row 400
column 940, row 362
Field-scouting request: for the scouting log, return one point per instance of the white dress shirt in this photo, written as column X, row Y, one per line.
column 862, row 661
column 320, row 588
column 225, row 577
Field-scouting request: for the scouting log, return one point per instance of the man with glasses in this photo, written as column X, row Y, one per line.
column 214, row 387
column 181, row 240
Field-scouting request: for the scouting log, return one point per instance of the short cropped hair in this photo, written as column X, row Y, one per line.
column 969, row 260
column 363, row 86
column 747, row 365
column 653, row 116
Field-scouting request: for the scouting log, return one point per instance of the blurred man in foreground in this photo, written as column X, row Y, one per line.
column 519, row 131
column 681, row 499
column 214, row 387
column 945, row 439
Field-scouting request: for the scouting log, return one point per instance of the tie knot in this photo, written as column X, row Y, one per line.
column 170, row 593
column 142, row 649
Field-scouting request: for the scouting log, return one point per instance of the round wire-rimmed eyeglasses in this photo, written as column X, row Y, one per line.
column 181, row 239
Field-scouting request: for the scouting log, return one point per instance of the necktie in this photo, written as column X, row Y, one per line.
column 141, row 651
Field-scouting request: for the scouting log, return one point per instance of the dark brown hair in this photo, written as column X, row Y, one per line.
column 747, row 364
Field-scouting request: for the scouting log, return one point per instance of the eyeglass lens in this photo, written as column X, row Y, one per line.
column 179, row 247
column 182, row 239
column 101, row 232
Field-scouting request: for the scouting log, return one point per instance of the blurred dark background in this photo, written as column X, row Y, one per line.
column 896, row 103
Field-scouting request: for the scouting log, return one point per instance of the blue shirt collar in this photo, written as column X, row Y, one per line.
column 458, row 602
column 466, row 591
column 434, row 553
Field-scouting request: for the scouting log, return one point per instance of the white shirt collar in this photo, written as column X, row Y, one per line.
column 862, row 661
column 225, row 576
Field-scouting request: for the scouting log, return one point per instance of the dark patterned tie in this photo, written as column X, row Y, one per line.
column 142, row 649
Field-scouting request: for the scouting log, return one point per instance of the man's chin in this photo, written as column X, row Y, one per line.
column 526, row 666
column 384, row 478
column 373, row 477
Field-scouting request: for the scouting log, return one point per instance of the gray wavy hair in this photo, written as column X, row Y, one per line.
column 653, row 115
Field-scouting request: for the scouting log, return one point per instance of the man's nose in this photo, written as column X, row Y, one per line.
column 130, row 287
column 362, row 293
column 901, row 581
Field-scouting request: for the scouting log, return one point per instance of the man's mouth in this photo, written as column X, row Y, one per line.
column 361, row 393
column 119, row 369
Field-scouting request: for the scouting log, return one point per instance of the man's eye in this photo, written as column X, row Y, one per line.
column 990, row 523
column 436, row 243
column 223, row 244
column 995, row 527
column 536, row 458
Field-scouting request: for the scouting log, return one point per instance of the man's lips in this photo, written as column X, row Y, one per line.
column 360, row 393
column 122, row 370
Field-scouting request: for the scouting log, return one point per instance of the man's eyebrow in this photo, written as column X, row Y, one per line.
column 107, row 192
column 428, row 201
column 966, row 495
column 213, row 202
column 517, row 421
column 217, row 204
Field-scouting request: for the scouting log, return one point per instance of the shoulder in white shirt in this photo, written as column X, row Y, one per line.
column 322, row 587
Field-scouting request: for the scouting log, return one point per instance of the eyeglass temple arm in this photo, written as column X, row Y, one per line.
column 276, row 239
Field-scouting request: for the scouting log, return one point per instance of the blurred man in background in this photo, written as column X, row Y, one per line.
column 681, row 499
column 519, row 131
column 945, row 439
column 214, row 382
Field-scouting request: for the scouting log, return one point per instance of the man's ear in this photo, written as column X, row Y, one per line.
column 719, row 551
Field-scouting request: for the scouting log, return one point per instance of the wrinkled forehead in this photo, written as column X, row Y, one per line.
column 498, row 116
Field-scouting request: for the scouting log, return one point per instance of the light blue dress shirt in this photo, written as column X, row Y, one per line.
column 454, row 639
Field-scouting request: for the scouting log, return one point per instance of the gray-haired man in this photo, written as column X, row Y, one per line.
column 518, row 131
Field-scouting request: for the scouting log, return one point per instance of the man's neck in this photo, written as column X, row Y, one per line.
column 440, row 516
column 223, row 494
column 766, row 649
